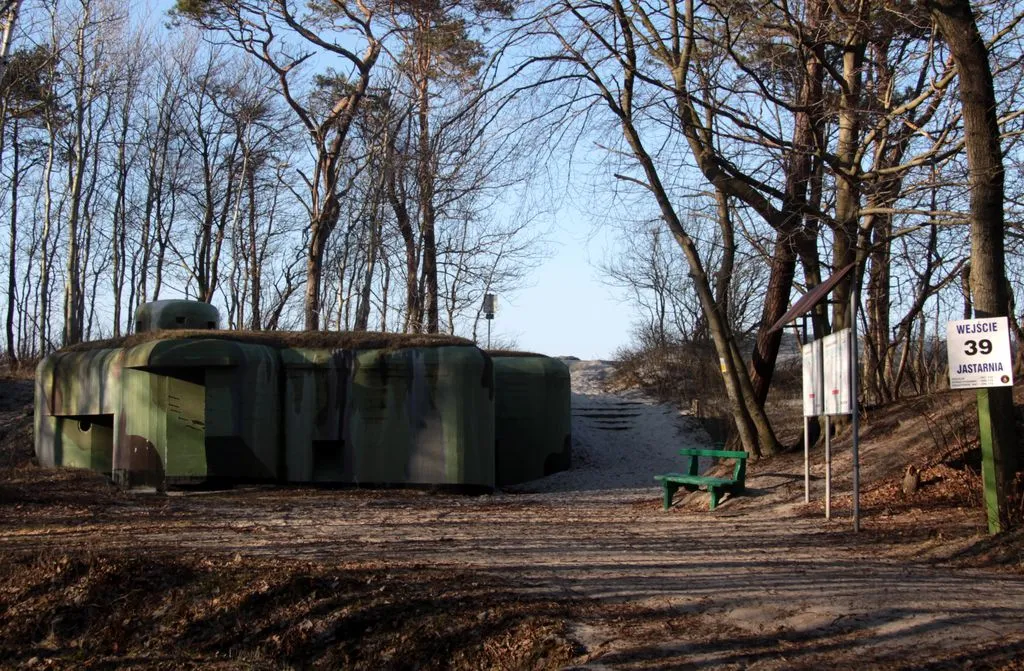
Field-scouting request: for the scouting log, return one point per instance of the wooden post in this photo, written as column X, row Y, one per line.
column 992, row 466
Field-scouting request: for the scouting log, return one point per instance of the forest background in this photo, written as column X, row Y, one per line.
column 382, row 165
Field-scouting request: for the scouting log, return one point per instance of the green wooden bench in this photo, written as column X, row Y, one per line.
column 692, row 480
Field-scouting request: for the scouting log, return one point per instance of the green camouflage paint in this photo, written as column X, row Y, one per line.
column 288, row 407
column 405, row 416
column 204, row 409
column 313, row 411
column 77, row 395
column 532, row 417
column 187, row 410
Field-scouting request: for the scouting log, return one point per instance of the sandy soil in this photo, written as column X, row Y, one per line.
column 764, row 581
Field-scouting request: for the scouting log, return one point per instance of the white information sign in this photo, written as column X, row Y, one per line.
column 979, row 353
column 836, row 350
column 813, row 382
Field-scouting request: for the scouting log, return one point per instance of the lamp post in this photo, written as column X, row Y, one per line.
column 489, row 307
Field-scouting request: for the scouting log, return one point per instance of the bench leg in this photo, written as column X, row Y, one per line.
column 715, row 492
column 670, row 490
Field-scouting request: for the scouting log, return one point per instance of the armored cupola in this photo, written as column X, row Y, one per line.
column 176, row 314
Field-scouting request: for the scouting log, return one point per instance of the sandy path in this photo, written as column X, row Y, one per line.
column 786, row 578
column 756, row 583
column 620, row 440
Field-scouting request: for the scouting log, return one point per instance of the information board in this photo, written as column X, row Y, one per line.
column 979, row 353
column 835, row 352
column 813, row 381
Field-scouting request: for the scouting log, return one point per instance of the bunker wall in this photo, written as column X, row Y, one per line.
column 194, row 409
column 197, row 410
column 313, row 411
column 420, row 416
column 77, row 395
column 532, row 418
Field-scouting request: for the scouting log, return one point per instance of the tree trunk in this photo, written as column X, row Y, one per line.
column 876, row 336
column 756, row 437
column 413, row 309
column 314, row 273
column 776, row 302
column 425, row 178
column 43, row 315
column 362, row 321
column 955, row 21
column 847, row 209
column 72, row 278
column 965, row 290
column 255, row 259
column 12, row 282
column 754, row 428
column 119, row 223
column 790, row 227
column 10, row 18
column 723, row 276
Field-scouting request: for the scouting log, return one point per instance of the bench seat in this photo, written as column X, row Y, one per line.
column 683, row 478
column 691, row 481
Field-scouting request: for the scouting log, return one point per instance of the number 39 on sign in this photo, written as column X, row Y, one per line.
column 979, row 353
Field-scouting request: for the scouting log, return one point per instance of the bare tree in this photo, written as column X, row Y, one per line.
column 602, row 48
column 22, row 95
column 258, row 28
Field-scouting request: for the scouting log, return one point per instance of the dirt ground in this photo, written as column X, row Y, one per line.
column 600, row 579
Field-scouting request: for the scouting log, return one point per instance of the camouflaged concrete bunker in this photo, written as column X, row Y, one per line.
column 166, row 407
column 161, row 409
column 395, row 415
column 532, row 416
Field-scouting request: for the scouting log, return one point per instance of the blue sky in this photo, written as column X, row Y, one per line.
column 567, row 310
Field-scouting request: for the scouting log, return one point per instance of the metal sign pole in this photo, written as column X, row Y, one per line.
column 824, row 400
column 842, row 362
column 807, row 433
column 807, row 461
column 489, row 308
column 854, row 404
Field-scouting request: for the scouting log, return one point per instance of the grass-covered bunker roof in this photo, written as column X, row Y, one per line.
column 286, row 339
column 514, row 353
